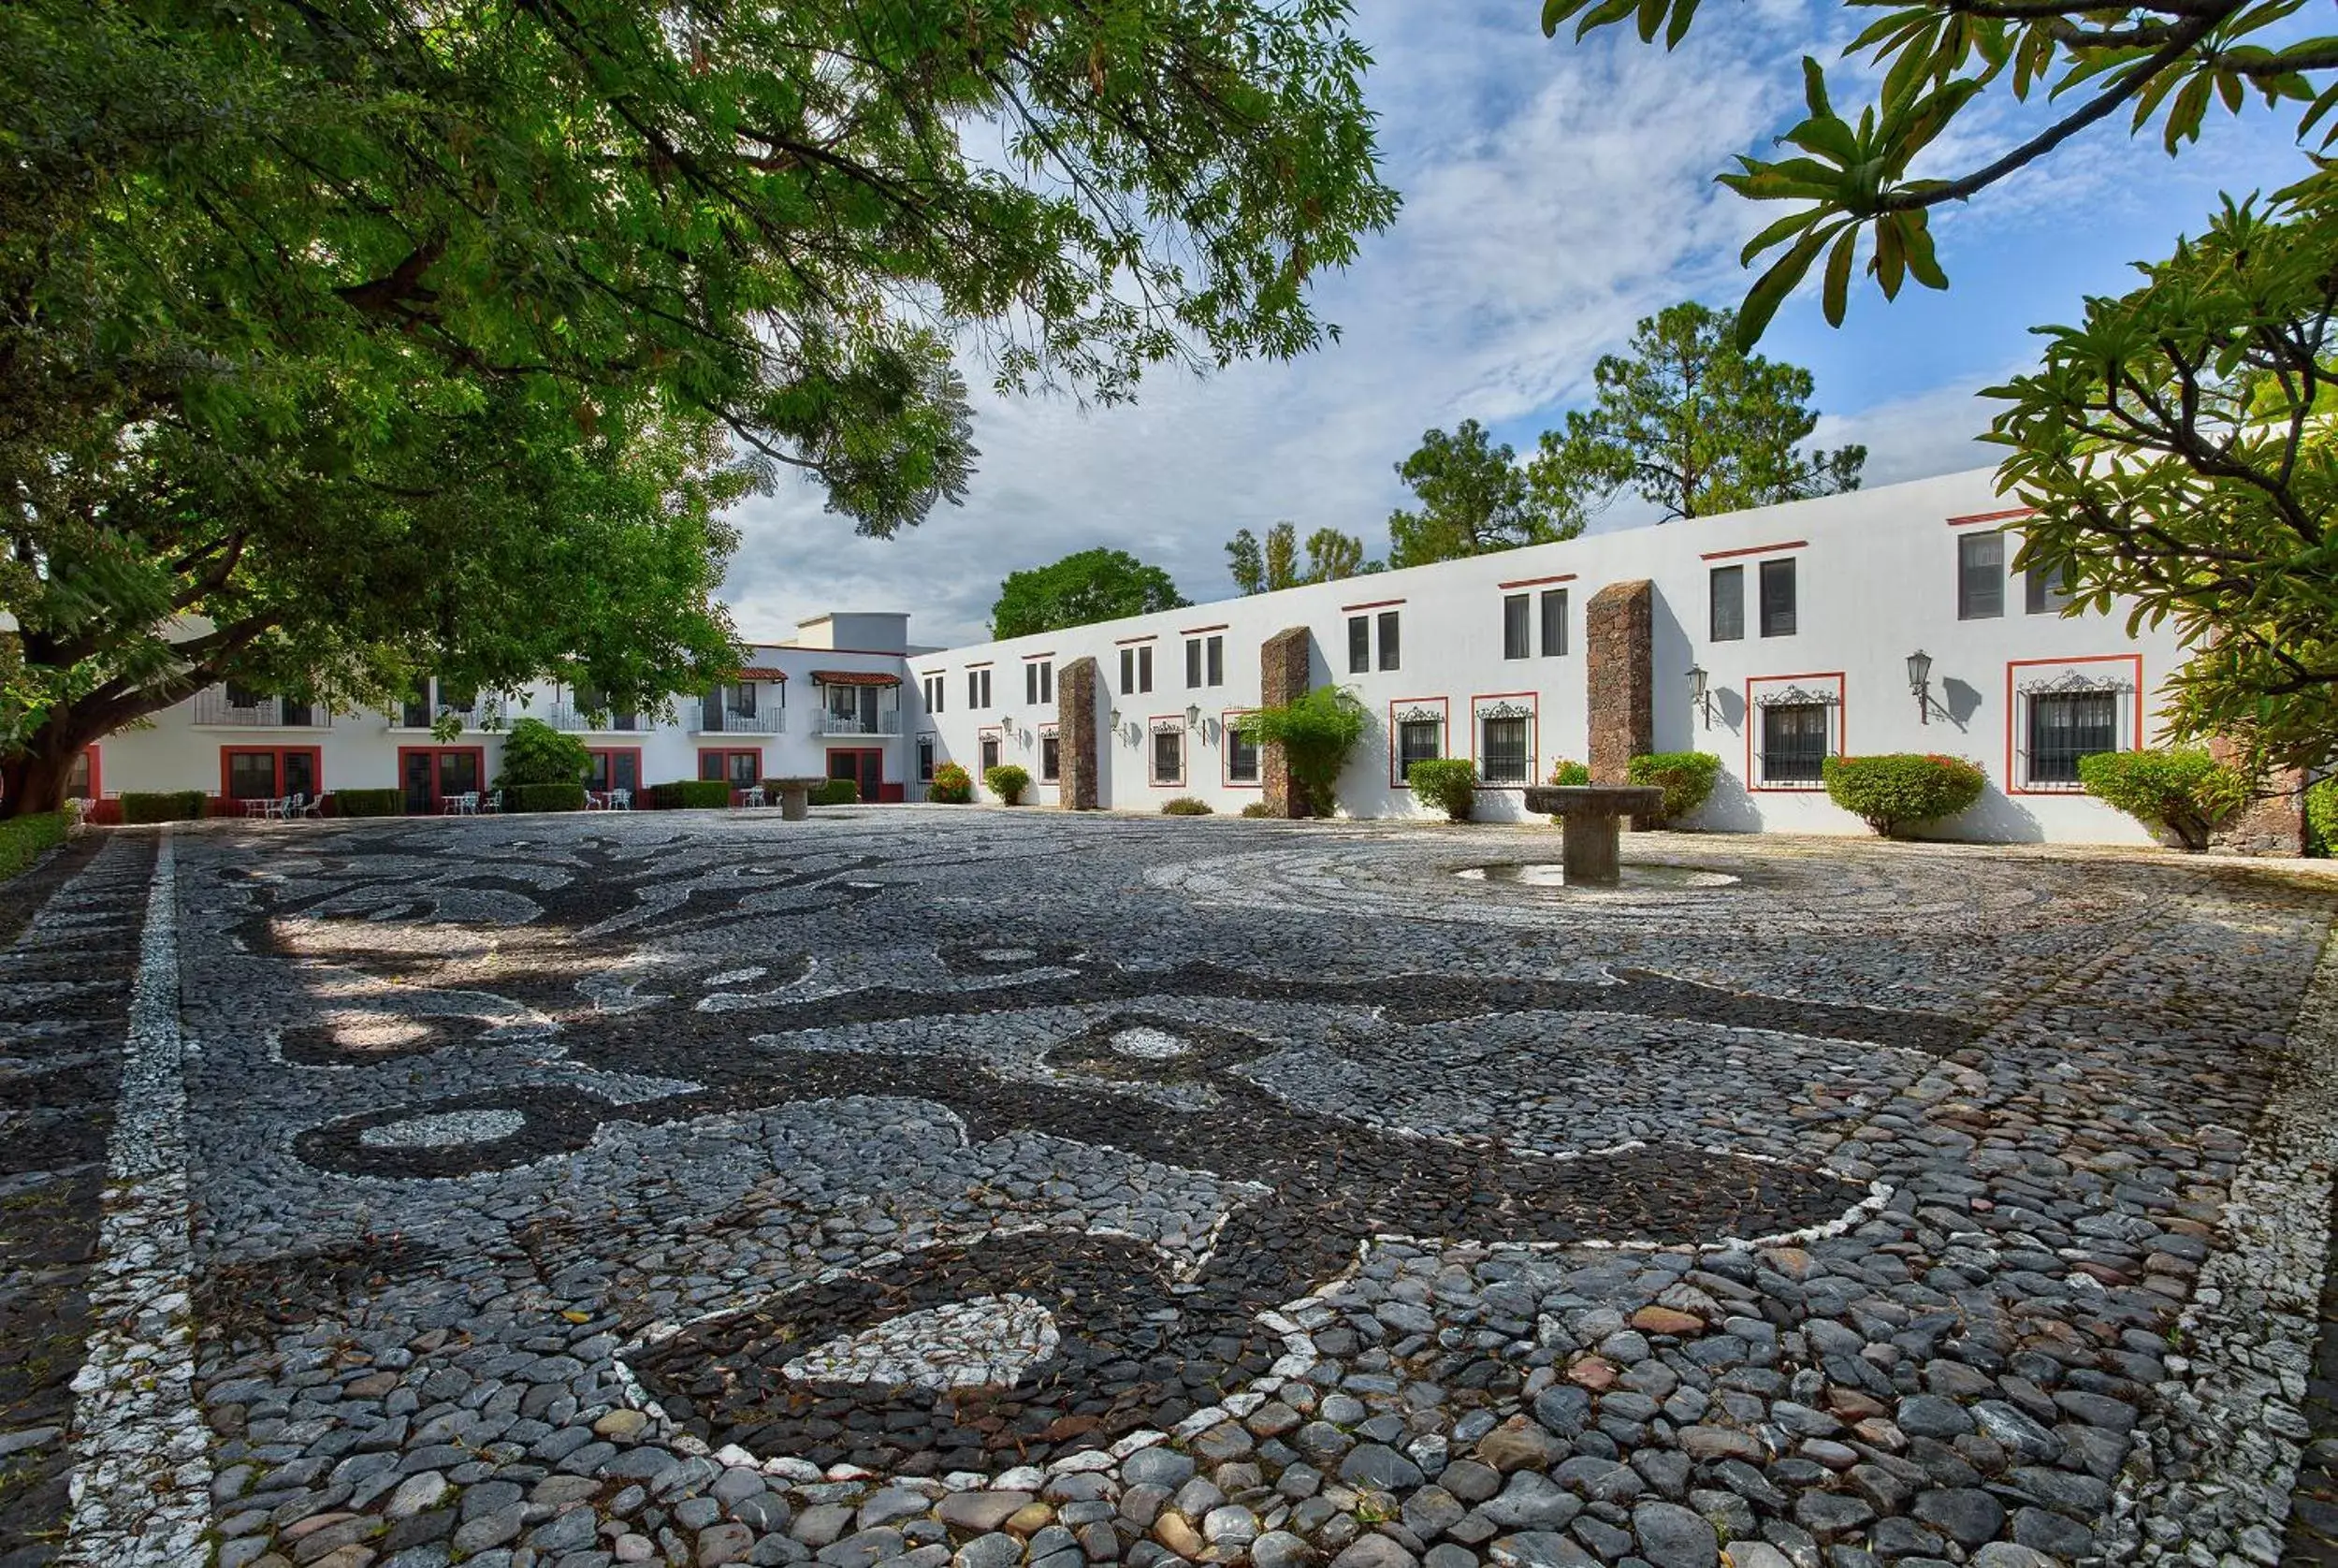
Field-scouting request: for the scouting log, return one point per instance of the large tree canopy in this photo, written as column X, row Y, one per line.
column 2161, row 63
column 2180, row 447
column 1080, row 591
column 1694, row 424
column 1473, row 499
column 327, row 296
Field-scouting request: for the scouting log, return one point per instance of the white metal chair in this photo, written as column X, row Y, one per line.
column 286, row 807
column 491, row 800
column 620, row 800
column 596, row 801
column 259, row 808
column 464, row 805
column 315, row 806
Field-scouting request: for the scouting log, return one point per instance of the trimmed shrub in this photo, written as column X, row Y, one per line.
column 838, row 792
column 951, row 785
column 1257, row 808
column 366, row 803
column 2183, row 789
column 1447, row 783
column 164, row 805
column 25, row 839
column 1685, row 777
column 2321, row 818
column 1008, row 782
column 536, row 753
column 1898, row 789
column 1186, row 806
column 691, row 795
column 543, row 797
column 1316, row 731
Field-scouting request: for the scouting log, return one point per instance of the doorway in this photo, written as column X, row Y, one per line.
column 864, row 766
column 430, row 774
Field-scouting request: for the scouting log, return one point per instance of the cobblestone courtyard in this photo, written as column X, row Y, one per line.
column 990, row 1188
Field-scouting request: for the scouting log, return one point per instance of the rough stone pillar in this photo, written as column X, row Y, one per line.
column 2275, row 825
column 1284, row 666
column 1076, row 720
column 1619, row 636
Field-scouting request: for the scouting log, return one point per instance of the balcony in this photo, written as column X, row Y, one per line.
column 561, row 717
column 245, row 711
column 480, row 713
column 732, row 721
column 885, row 724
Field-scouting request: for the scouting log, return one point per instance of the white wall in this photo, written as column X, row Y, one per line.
column 1876, row 579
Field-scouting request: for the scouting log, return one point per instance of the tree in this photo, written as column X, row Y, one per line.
column 2164, row 61
column 1694, row 424
column 2181, row 448
column 1474, row 499
column 1080, row 591
column 1330, row 556
column 301, row 243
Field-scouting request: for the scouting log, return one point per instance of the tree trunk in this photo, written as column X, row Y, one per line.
column 33, row 780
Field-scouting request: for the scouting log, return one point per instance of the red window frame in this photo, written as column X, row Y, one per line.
column 1185, row 749
column 1533, row 699
column 1445, row 710
column 726, row 753
column 278, row 753
column 96, row 773
column 2013, row 785
column 608, row 769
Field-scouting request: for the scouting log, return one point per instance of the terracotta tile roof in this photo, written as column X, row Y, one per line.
column 855, row 677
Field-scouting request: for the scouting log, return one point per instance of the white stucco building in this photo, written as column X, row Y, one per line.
column 1801, row 619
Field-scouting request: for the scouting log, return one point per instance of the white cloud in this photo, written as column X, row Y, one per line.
column 1554, row 194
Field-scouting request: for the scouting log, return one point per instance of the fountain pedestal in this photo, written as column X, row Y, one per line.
column 1589, row 814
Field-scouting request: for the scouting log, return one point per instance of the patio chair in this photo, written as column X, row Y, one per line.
column 620, row 800
column 259, row 807
column 460, row 806
column 315, row 806
column 285, row 808
column 491, row 800
column 596, row 801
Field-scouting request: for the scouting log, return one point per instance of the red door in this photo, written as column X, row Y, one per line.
column 865, row 767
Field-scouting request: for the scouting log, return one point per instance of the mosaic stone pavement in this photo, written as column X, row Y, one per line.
column 988, row 1188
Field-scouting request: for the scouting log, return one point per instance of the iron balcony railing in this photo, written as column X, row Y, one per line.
column 215, row 706
column 884, row 724
column 563, row 717
column 730, row 721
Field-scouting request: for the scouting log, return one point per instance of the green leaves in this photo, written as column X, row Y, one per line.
column 1473, row 499
column 2163, row 61
column 1079, row 590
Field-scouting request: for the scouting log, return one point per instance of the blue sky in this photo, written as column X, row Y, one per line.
column 1555, row 193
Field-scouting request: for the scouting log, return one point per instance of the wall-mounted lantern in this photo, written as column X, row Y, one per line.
column 1700, row 695
column 1920, row 684
column 1193, row 716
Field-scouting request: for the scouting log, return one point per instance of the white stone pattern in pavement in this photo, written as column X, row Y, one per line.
column 2224, row 1445
column 984, row 1342
column 143, row 1473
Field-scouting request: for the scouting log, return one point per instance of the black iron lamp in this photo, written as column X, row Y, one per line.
column 1920, row 684
column 1700, row 695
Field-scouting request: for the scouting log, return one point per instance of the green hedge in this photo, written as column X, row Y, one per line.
column 2183, row 789
column 691, row 795
column 1186, row 806
column 164, row 805
column 25, row 839
column 543, row 797
column 1898, row 789
column 1257, row 808
column 1447, row 783
column 2321, row 818
column 1685, row 777
column 1008, row 782
column 838, row 792
column 951, row 785
column 368, row 802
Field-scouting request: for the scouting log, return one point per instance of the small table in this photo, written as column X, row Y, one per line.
column 795, row 796
column 1590, row 812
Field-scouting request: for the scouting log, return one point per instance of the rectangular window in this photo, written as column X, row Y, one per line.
column 1047, row 680
column 613, row 770
column 2045, row 593
column 926, row 759
column 1777, row 598
column 1144, row 667
column 989, row 752
column 1517, row 625
column 1981, row 576
column 1728, row 620
column 1129, row 669
column 1359, row 644
column 1554, row 623
column 1506, row 749
column 974, row 688
column 1031, row 683
column 1217, row 661
column 1193, row 663
column 2065, row 726
column 1388, row 639
column 1169, row 756
column 270, row 775
column 984, row 700
column 77, row 779
column 1418, row 740
column 1051, row 758
column 741, row 770
column 1794, row 742
column 1242, row 754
